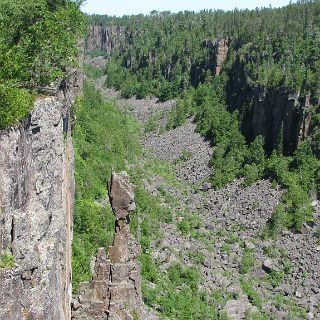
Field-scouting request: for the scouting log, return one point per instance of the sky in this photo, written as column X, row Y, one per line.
column 127, row 7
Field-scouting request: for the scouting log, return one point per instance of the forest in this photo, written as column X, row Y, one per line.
column 272, row 53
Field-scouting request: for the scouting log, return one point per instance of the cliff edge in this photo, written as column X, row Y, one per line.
column 36, row 200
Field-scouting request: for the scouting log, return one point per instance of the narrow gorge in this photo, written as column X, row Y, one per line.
column 159, row 166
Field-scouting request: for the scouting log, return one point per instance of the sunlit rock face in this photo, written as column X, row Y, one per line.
column 36, row 199
column 115, row 289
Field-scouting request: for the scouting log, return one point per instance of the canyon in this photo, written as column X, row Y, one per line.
column 181, row 247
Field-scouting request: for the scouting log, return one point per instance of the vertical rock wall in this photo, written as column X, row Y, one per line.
column 36, row 196
column 105, row 38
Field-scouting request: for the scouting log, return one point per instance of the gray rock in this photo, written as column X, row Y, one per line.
column 250, row 245
column 206, row 186
column 236, row 309
column 268, row 265
column 36, row 197
column 75, row 304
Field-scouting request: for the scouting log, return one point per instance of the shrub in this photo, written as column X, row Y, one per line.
column 15, row 104
column 248, row 261
column 7, row 260
column 253, row 295
column 38, row 44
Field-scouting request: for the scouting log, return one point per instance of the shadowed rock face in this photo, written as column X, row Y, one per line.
column 218, row 52
column 115, row 289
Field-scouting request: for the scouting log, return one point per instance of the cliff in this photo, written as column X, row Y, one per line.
column 115, row 289
column 36, row 199
column 218, row 52
column 279, row 115
column 105, row 38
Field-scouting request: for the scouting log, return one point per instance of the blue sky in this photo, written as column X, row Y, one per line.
column 121, row 7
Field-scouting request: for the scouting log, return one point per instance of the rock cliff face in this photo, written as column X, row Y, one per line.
column 36, row 198
column 280, row 116
column 218, row 52
column 277, row 115
column 104, row 38
column 115, row 291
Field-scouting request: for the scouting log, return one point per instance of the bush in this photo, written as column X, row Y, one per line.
column 251, row 174
column 7, row 260
column 102, row 144
column 248, row 261
column 93, row 72
column 15, row 104
column 38, row 44
column 253, row 295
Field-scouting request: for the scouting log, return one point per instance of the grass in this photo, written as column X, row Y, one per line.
column 247, row 286
column 7, row 260
column 248, row 261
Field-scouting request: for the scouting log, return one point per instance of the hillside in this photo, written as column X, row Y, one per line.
column 212, row 239
column 236, row 117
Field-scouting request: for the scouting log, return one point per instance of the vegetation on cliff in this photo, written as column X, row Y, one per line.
column 166, row 53
column 38, row 43
column 233, row 157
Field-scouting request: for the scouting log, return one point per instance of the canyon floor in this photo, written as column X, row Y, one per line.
column 220, row 231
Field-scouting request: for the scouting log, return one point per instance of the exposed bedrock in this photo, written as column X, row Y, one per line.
column 115, row 289
column 279, row 115
column 105, row 38
column 36, row 199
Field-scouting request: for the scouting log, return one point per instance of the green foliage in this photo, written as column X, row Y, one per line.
column 277, row 221
column 92, row 71
column 250, row 291
column 250, row 315
column 275, row 277
column 15, row 104
column 7, row 260
column 177, row 295
column 165, row 55
column 247, row 261
column 39, row 40
column 299, row 175
column 38, row 43
column 190, row 224
column 102, row 144
column 173, row 52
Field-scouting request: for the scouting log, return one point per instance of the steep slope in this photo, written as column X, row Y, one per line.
column 268, row 59
column 218, row 232
column 36, row 201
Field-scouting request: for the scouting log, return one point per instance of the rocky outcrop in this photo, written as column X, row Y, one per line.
column 218, row 52
column 115, row 291
column 36, row 199
column 278, row 115
column 104, row 38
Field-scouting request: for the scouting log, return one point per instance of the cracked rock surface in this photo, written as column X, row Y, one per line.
column 36, row 199
column 115, row 289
